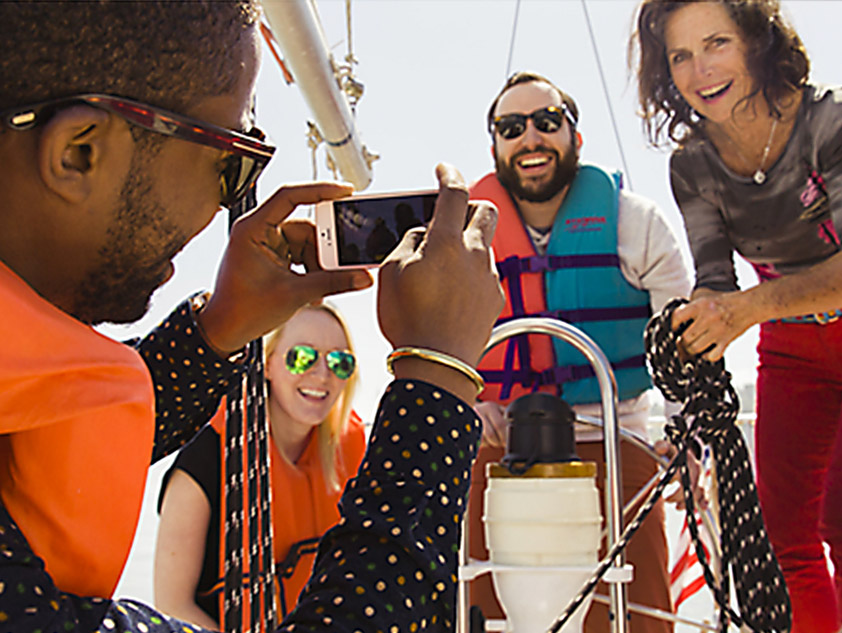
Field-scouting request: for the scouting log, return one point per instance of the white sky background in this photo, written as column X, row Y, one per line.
column 430, row 70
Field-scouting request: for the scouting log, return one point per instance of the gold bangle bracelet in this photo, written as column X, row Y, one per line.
column 437, row 357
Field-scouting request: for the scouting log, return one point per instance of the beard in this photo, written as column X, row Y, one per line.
column 133, row 263
column 565, row 171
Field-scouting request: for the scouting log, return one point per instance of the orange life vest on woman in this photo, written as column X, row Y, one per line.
column 303, row 509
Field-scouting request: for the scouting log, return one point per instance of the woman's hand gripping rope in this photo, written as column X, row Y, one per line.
column 708, row 413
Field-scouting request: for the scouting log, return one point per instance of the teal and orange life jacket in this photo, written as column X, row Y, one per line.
column 578, row 281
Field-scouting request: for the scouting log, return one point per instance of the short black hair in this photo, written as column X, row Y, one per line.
column 528, row 76
column 163, row 52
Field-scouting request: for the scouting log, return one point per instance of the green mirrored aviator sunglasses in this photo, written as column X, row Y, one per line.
column 301, row 358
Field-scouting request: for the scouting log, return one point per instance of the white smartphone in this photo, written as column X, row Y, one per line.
column 360, row 231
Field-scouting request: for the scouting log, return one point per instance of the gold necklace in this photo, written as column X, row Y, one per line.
column 759, row 175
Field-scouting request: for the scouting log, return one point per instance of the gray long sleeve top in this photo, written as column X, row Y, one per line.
column 788, row 223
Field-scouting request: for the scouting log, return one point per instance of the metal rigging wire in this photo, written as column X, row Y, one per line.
column 512, row 42
column 607, row 96
column 626, row 170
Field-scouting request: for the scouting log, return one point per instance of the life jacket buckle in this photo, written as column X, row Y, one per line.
column 537, row 263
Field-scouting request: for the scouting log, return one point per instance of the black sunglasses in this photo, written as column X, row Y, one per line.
column 245, row 155
column 547, row 120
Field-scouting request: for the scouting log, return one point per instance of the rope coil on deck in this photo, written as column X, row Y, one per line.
column 709, row 412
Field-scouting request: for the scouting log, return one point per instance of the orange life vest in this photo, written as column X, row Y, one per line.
column 76, row 434
column 303, row 509
column 513, row 240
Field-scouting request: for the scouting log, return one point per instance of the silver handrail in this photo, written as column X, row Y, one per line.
column 708, row 521
column 611, row 440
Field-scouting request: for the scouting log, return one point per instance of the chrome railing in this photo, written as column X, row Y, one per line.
column 613, row 478
column 612, row 433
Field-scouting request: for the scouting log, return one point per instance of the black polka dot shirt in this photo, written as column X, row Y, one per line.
column 190, row 378
column 389, row 566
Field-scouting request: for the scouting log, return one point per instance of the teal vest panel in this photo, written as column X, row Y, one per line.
column 595, row 297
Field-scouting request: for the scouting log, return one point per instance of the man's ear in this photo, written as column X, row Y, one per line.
column 71, row 149
column 494, row 152
column 579, row 140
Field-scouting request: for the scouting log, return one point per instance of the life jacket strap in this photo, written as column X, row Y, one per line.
column 514, row 266
column 589, row 314
column 286, row 568
column 528, row 378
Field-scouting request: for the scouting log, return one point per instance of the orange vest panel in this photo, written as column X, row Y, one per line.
column 76, row 434
column 510, row 238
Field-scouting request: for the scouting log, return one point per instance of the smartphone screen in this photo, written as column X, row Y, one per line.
column 368, row 229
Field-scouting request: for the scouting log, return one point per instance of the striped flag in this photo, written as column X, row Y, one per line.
column 686, row 575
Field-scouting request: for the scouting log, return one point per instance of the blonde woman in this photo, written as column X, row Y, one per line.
column 318, row 443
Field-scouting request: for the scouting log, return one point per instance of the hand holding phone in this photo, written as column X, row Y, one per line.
column 421, row 297
column 255, row 288
column 360, row 231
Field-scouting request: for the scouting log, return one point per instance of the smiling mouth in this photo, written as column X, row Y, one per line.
column 713, row 92
column 533, row 161
column 313, row 393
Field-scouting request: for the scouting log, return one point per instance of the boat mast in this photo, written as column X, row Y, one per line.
column 296, row 27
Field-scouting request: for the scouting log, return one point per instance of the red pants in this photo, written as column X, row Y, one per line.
column 647, row 550
column 799, row 463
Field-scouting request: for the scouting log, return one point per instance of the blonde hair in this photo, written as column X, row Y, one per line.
column 331, row 429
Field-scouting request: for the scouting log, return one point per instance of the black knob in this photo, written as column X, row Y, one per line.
column 540, row 431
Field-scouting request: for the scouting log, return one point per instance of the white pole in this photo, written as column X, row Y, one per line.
column 297, row 29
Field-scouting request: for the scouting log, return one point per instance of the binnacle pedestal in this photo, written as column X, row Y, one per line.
column 542, row 519
column 544, row 527
column 618, row 573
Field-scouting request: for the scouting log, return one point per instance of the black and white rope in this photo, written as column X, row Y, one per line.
column 709, row 412
column 254, row 576
column 233, row 569
column 248, row 393
column 260, row 587
column 270, row 614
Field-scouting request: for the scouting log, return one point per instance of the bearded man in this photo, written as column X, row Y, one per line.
column 573, row 244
